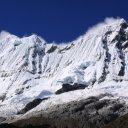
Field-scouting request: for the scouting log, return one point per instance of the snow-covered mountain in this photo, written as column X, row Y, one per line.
column 31, row 68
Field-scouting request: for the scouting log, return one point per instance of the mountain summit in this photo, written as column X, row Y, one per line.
column 31, row 68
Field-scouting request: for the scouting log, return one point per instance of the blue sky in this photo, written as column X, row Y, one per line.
column 57, row 20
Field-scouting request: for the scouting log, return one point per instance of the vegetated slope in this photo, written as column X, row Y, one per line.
column 121, row 122
column 31, row 68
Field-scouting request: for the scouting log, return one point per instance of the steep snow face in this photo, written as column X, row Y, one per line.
column 31, row 68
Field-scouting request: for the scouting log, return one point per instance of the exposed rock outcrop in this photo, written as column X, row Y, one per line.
column 68, row 87
column 31, row 105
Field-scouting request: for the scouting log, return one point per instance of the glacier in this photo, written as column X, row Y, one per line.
column 31, row 68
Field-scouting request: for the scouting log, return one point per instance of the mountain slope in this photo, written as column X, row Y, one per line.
column 31, row 68
column 91, row 112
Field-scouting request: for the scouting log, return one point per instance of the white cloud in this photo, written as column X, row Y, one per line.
column 110, row 20
column 107, row 21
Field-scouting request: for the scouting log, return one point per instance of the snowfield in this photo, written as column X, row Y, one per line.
column 31, row 68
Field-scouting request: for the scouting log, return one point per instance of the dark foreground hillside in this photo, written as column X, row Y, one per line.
column 121, row 122
column 27, row 126
column 92, row 112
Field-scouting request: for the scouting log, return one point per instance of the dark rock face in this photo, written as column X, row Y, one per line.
column 2, row 119
column 2, row 97
column 68, row 87
column 31, row 105
column 52, row 49
column 92, row 112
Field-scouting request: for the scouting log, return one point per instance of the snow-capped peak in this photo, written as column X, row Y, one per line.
column 4, row 35
column 31, row 68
